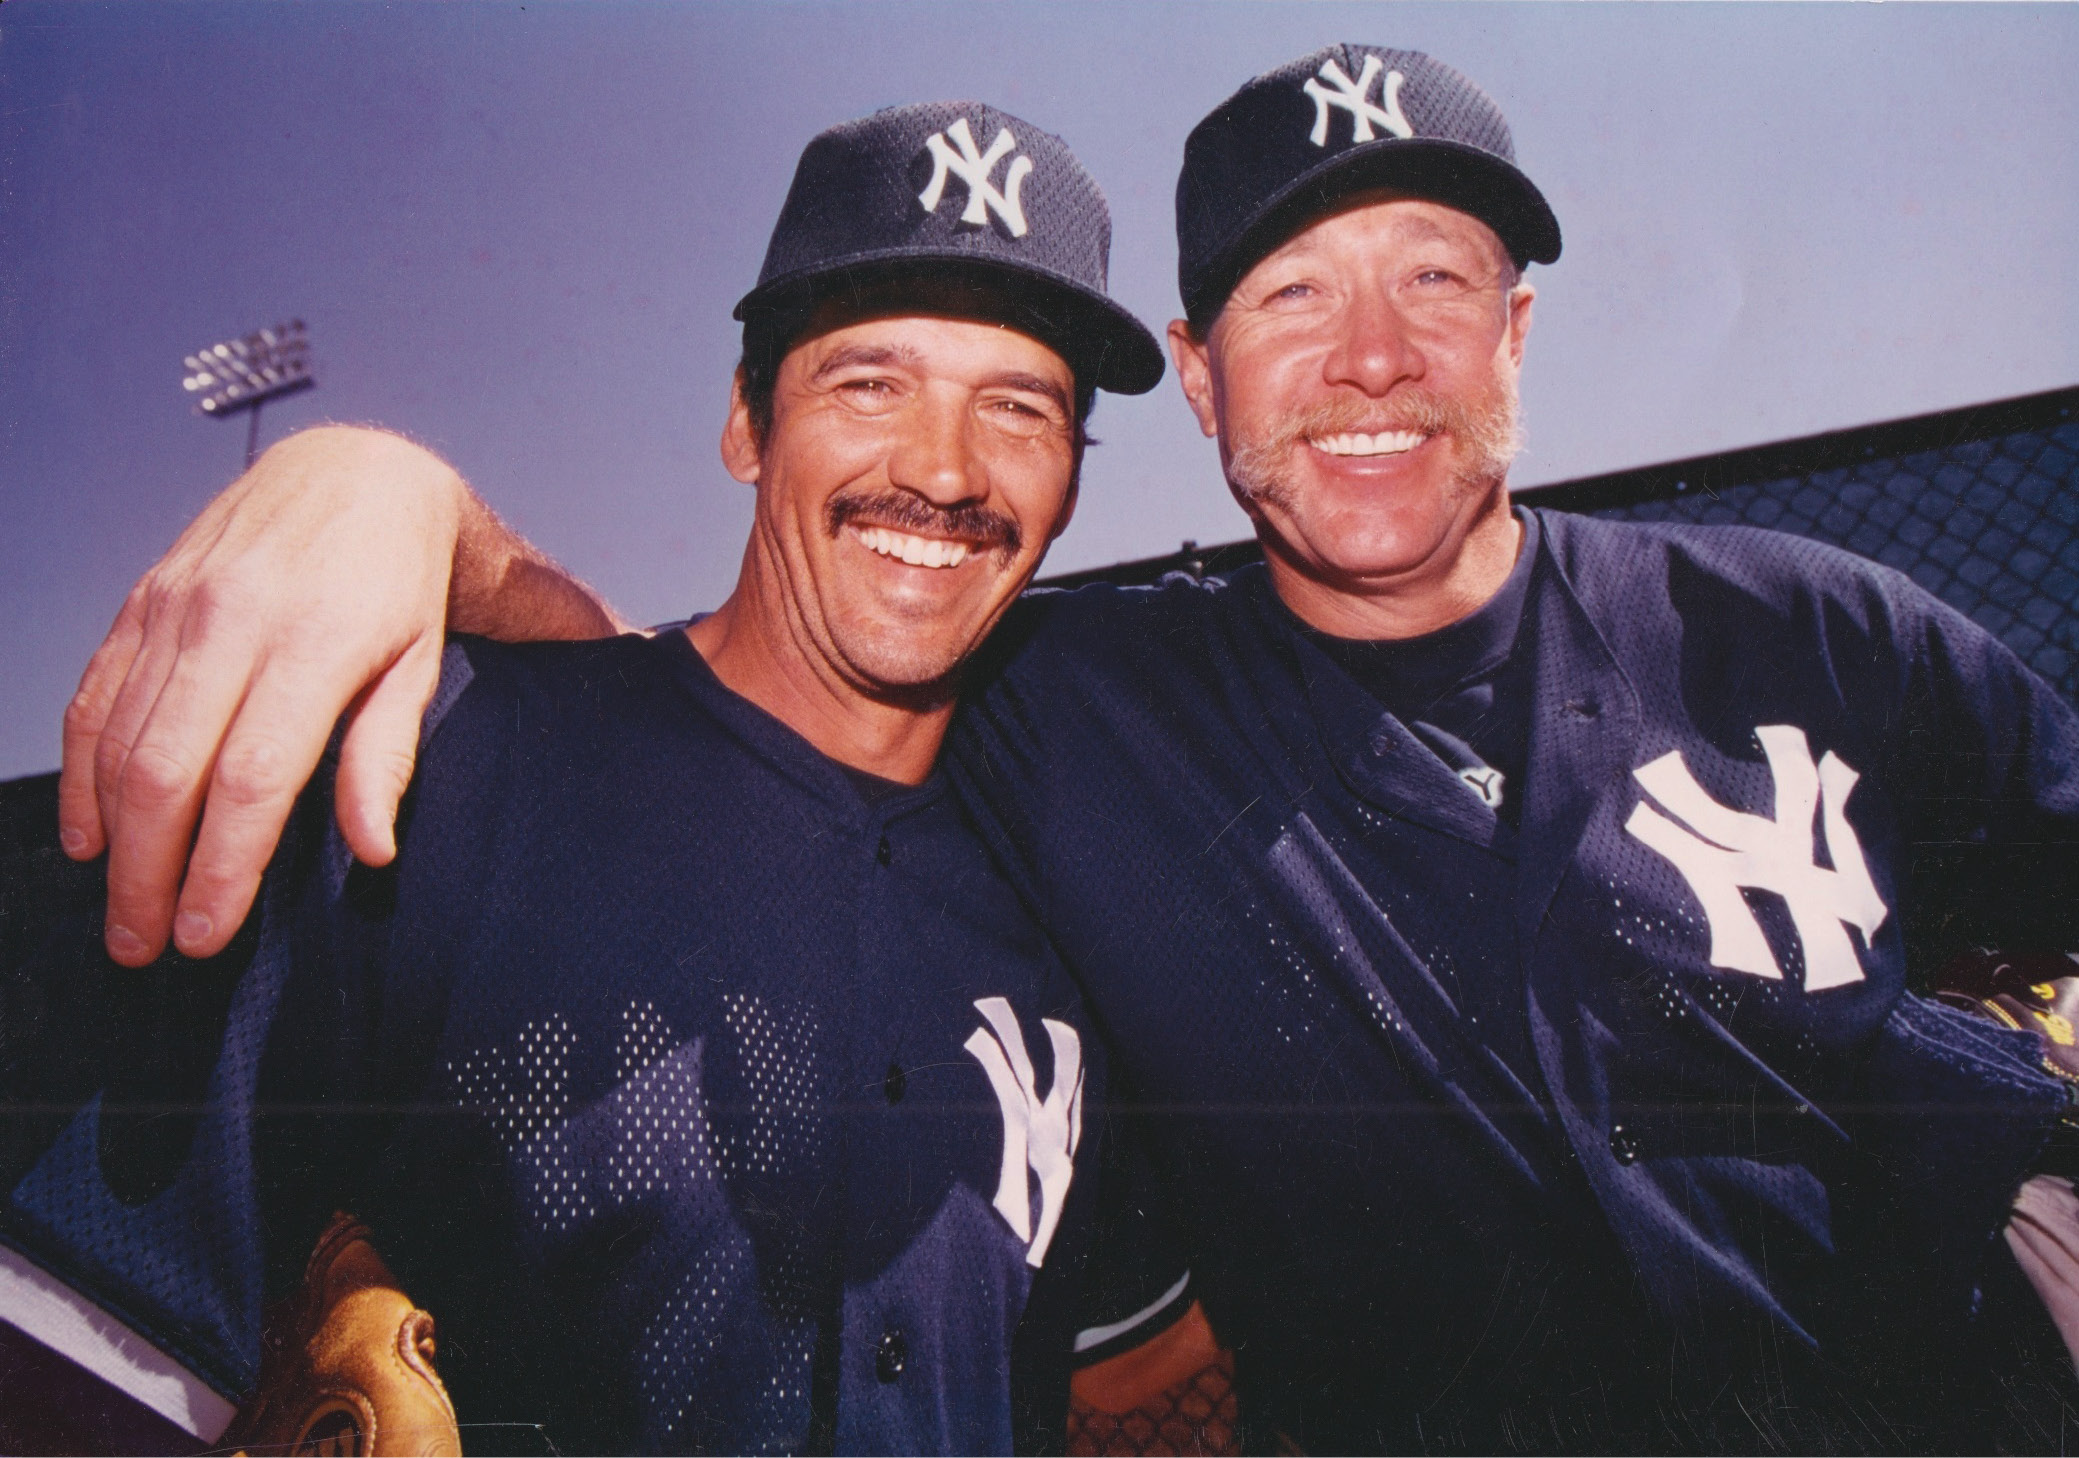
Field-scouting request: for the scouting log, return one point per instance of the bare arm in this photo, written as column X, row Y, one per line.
column 503, row 587
column 319, row 584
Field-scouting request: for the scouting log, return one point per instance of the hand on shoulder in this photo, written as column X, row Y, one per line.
column 316, row 585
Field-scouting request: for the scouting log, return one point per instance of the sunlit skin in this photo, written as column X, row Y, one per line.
column 854, row 648
column 1357, row 317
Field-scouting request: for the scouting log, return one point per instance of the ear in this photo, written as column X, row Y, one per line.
column 1521, row 298
column 1195, row 373
column 739, row 441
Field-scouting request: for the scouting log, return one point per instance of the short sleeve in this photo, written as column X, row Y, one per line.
column 1138, row 1281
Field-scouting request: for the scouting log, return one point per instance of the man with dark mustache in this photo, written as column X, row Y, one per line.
column 1502, row 919
column 692, row 1060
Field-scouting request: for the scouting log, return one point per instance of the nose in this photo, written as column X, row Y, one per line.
column 934, row 454
column 1374, row 349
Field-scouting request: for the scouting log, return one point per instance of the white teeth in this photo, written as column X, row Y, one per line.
column 1357, row 443
column 916, row 551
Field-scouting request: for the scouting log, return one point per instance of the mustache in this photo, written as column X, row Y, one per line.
column 972, row 523
column 1488, row 429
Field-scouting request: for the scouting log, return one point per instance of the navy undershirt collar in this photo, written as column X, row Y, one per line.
column 1408, row 675
column 1462, row 691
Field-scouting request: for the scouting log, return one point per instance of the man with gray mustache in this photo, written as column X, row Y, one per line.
column 1503, row 919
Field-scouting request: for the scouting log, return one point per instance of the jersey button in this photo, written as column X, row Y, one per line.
column 891, row 1356
column 884, row 852
column 896, row 1084
column 1623, row 1146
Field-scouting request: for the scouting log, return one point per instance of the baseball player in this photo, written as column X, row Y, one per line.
column 692, row 1061
column 1507, row 923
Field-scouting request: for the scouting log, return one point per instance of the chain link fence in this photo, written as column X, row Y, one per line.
column 1980, row 506
column 1990, row 526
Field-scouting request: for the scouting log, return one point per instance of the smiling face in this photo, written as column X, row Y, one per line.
column 913, row 471
column 1362, row 383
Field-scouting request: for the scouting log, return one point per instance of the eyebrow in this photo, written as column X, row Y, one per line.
column 855, row 355
column 1033, row 384
column 852, row 355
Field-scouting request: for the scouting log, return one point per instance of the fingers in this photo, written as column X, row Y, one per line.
column 152, row 782
column 80, row 829
column 381, row 745
column 269, row 752
column 120, row 688
column 319, row 572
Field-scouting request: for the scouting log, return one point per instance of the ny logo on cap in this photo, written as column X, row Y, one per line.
column 973, row 168
column 1350, row 96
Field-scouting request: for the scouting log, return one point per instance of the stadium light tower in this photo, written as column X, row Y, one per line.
column 244, row 374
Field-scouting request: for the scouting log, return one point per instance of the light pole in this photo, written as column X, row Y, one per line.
column 244, row 374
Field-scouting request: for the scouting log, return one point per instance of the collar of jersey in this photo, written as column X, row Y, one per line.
column 814, row 769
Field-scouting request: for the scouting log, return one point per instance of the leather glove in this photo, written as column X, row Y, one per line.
column 346, row 1364
column 2037, row 992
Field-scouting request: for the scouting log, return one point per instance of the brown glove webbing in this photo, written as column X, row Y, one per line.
column 1197, row 1415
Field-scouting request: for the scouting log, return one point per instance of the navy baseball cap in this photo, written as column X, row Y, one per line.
column 1293, row 143
column 956, row 189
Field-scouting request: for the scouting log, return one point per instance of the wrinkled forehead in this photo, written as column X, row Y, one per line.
column 897, row 306
column 966, row 348
column 917, row 340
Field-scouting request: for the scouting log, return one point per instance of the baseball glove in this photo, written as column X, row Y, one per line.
column 347, row 1364
column 2037, row 992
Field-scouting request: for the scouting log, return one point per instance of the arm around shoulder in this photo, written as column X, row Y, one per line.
column 314, row 590
column 504, row 587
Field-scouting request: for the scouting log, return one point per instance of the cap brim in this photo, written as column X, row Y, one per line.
column 1459, row 176
column 1104, row 344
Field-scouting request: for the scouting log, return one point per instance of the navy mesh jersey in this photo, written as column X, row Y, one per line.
column 741, row 1069
column 1765, row 779
column 708, row 1102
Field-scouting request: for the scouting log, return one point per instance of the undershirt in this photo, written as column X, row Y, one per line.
column 1461, row 690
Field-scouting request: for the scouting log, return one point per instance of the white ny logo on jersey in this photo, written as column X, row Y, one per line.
column 1039, row 1134
column 973, row 168
column 1728, row 849
column 1350, row 96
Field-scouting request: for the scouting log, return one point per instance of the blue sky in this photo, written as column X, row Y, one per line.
column 516, row 231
